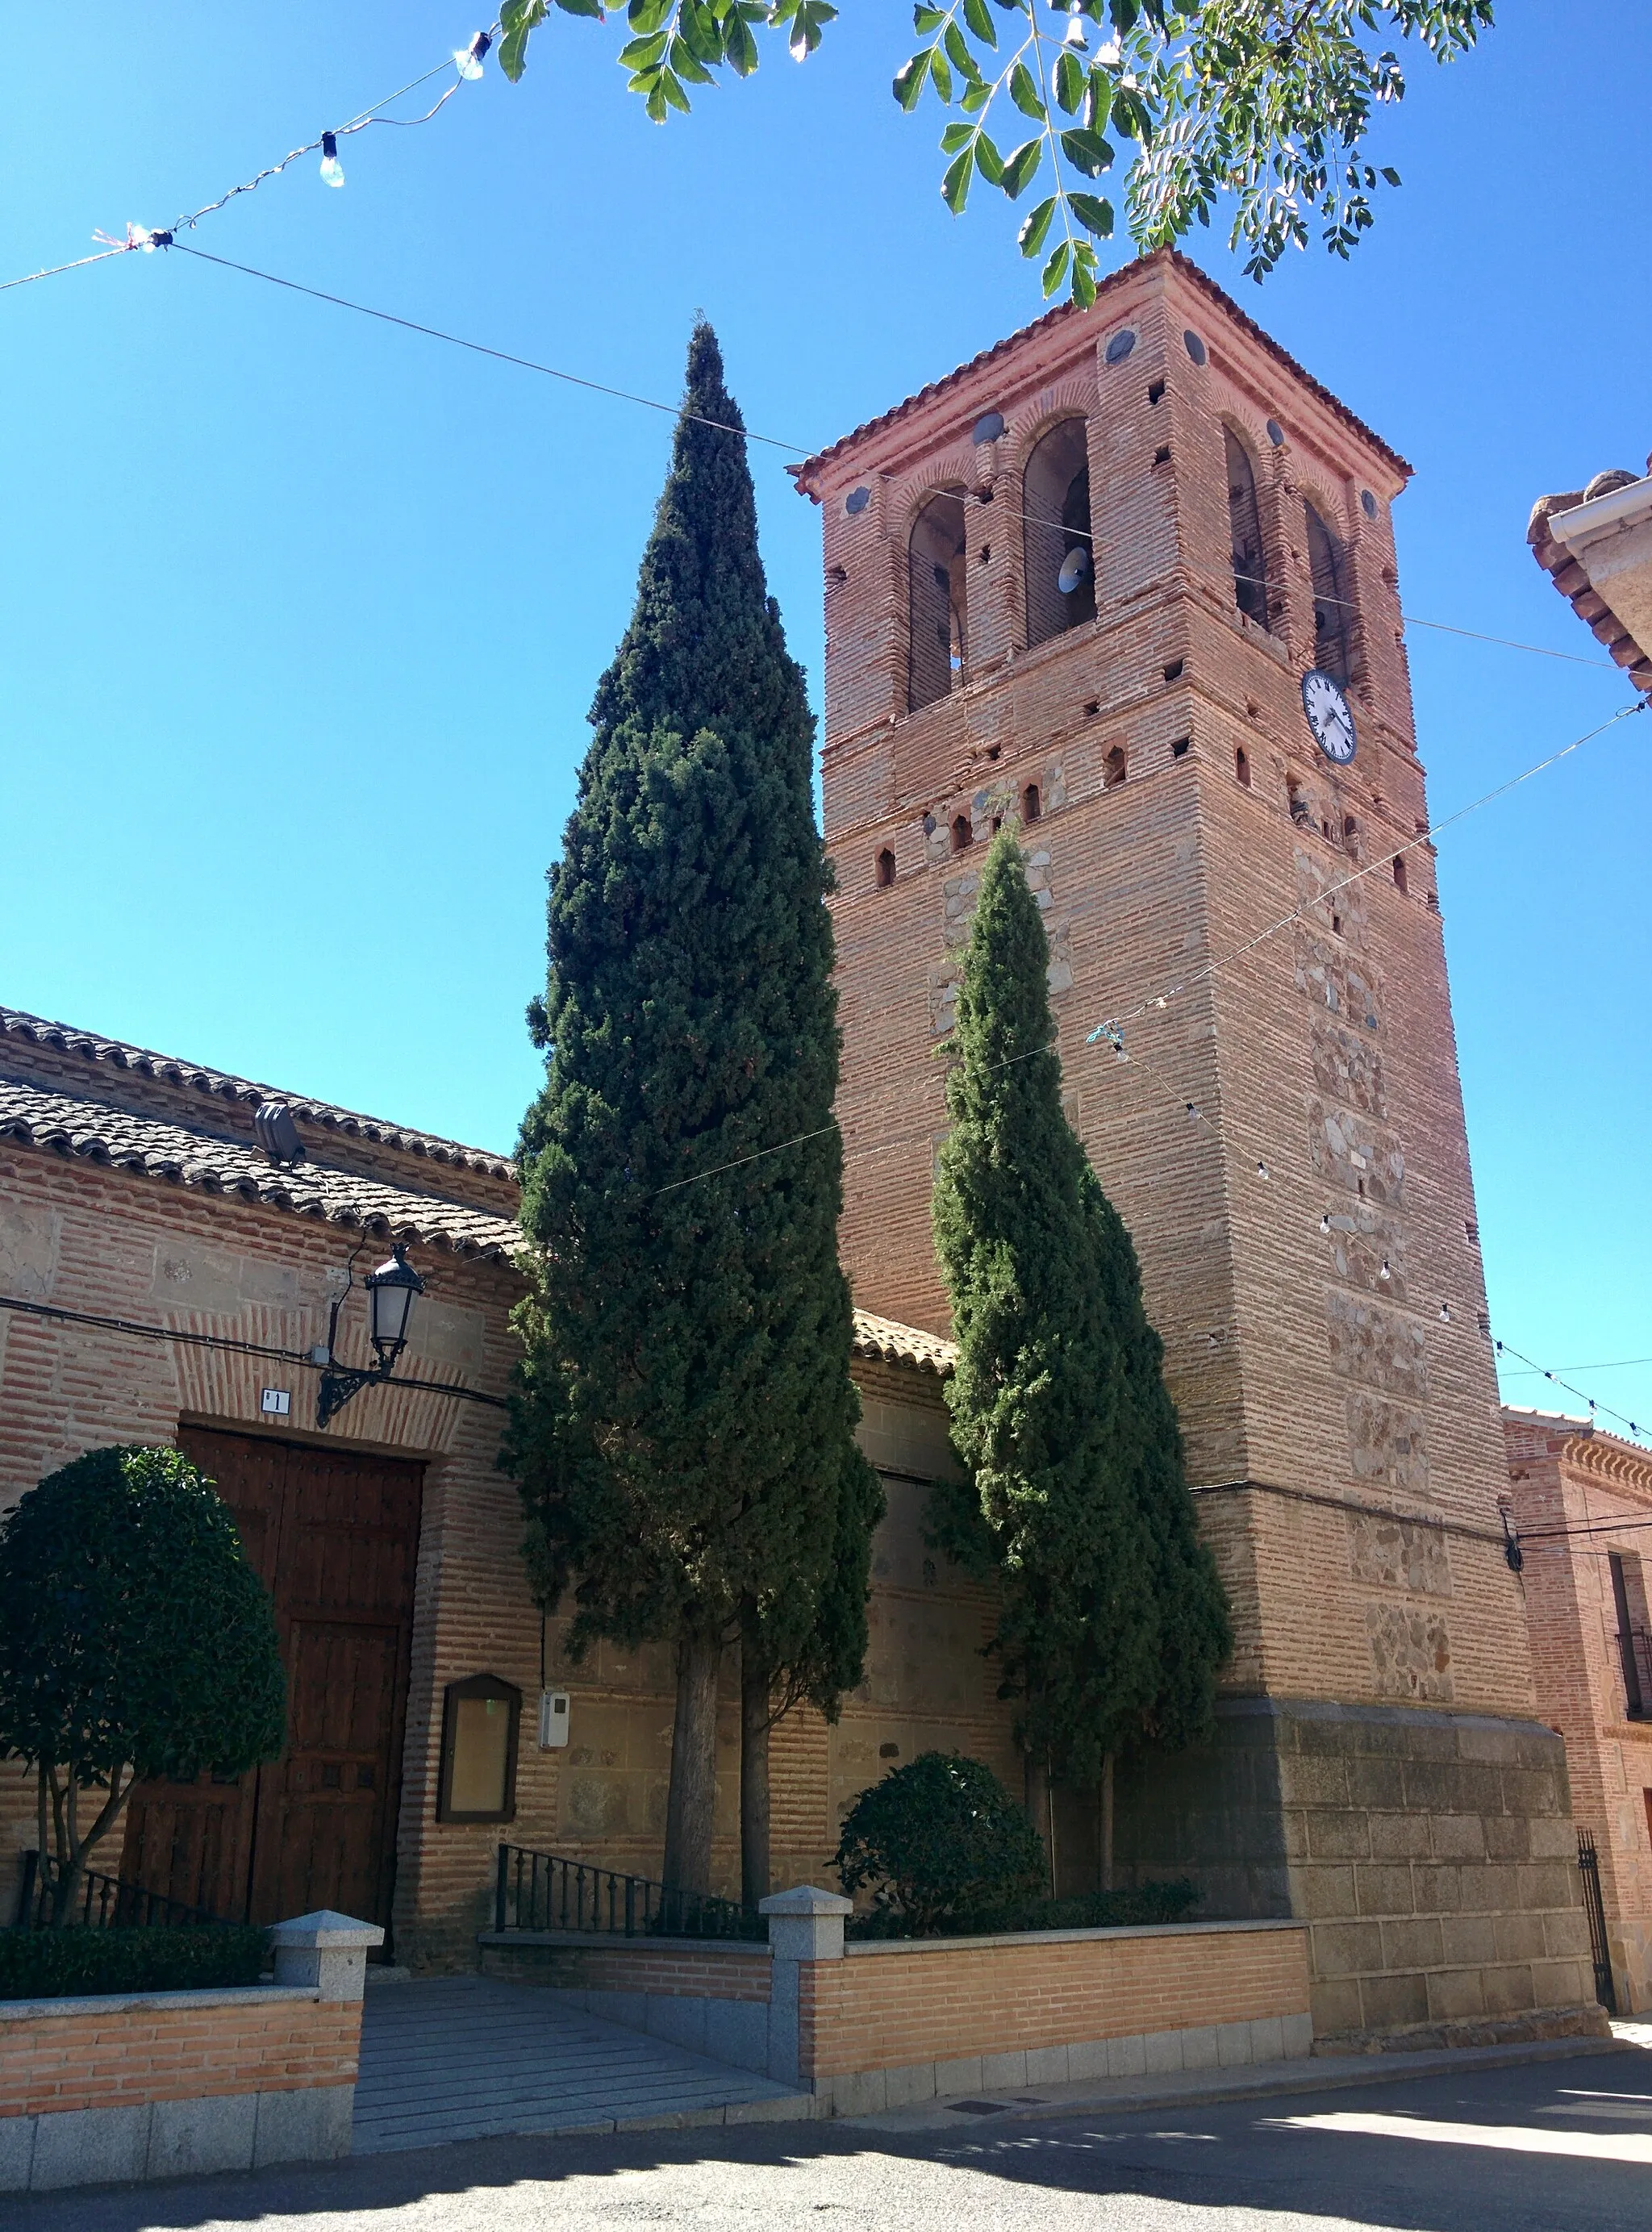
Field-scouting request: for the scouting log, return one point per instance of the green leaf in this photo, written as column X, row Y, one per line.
column 1392, row 176
column 1083, row 275
column 941, row 75
column 963, row 61
column 975, row 14
column 955, row 186
column 685, row 64
column 988, row 161
column 517, row 19
column 674, row 93
column 647, row 15
column 1087, row 152
column 1021, row 168
column 1035, row 227
column 643, row 54
column 1056, row 270
column 1093, row 214
column 1069, row 81
column 925, row 20
column 700, row 33
column 1023, row 91
column 955, row 136
column 909, row 79
column 592, row 8
column 742, row 47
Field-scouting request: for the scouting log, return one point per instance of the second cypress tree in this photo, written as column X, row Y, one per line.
column 684, row 1435
column 1113, row 1622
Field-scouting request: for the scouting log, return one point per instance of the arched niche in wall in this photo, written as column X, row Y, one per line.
column 1245, row 532
column 1334, row 612
column 1059, row 549
column 938, row 583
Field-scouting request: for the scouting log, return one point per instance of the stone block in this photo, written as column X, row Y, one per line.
column 1234, row 2049
column 1314, row 1779
column 1508, row 1988
column 1554, row 1983
column 1399, row 1836
column 1088, row 2059
column 1508, row 1837
column 1324, row 1894
column 17, row 2152
column 1545, row 1882
column 313, row 2125
column 1415, row 1944
column 1496, row 1744
column 1385, row 1891
column 1161, row 2052
column 1201, row 2048
column 860, row 2092
column 1566, row 1935
column 961, row 2077
column 1491, row 1891
column 1467, row 1941
column 1458, row 1836
column 187, row 2137
column 1297, row 2032
column 1126, row 2056
column 1437, row 1890
column 1267, row 2039
column 1047, row 2064
column 1344, row 1949
column 1334, row 2005
column 1455, row 1994
column 1533, row 1791
column 90, row 2146
column 1551, row 1839
column 736, row 2031
column 680, row 2021
column 628, row 2008
column 1521, row 1937
column 1389, row 2003
column 1001, row 2072
column 1338, row 1836
column 915, row 2081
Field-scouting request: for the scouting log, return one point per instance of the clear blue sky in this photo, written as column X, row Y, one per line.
column 299, row 616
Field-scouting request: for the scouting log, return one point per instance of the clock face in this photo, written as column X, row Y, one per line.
column 1328, row 716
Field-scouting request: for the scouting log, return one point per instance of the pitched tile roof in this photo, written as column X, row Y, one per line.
column 1572, row 576
column 117, row 1055
column 903, row 1344
column 92, row 1131
column 1224, row 302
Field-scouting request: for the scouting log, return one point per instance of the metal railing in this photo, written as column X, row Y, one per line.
column 1595, row 1907
column 1635, row 1647
column 101, row 1902
column 541, row 1891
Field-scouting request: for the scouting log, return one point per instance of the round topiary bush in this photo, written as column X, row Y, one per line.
column 940, row 1839
column 135, row 1641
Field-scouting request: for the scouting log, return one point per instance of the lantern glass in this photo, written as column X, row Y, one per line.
column 390, row 1290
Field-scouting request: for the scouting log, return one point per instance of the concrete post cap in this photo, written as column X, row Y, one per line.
column 327, row 1932
column 806, row 1898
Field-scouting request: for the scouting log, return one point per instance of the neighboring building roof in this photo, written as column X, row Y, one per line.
column 1595, row 546
column 893, row 1343
column 1583, row 1425
column 1111, row 284
column 117, row 1055
column 92, row 1131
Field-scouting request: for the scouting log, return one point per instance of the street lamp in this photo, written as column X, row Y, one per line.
column 390, row 1290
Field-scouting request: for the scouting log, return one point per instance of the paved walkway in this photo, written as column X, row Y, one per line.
column 471, row 2058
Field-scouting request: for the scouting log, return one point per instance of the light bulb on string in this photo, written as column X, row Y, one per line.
column 1075, row 37
column 1325, row 1222
column 1385, row 1274
column 468, row 60
column 332, row 169
column 1262, row 1170
column 1445, row 1312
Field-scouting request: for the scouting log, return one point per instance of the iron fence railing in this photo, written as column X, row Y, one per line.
column 1595, row 1907
column 1635, row 1646
column 101, row 1902
column 541, row 1891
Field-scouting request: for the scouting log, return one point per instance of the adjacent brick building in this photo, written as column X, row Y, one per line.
column 1081, row 581
column 1582, row 1507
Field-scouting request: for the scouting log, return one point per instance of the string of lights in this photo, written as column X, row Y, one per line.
column 1617, row 1364
column 1596, row 1408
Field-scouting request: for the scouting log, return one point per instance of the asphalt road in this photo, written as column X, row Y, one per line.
column 1550, row 2146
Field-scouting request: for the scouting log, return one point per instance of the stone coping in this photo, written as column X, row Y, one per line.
column 615, row 1940
column 857, row 1946
column 125, row 2003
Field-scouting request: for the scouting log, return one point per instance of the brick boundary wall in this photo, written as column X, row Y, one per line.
column 160, row 2084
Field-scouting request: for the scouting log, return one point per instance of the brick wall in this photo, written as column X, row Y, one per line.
column 672, row 1972
column 886, row 2006
column 182, row 2046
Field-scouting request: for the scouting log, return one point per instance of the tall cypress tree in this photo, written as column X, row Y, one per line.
column 683, row 1431
column 1111, row 1621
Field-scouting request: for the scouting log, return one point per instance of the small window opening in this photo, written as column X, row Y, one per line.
column 998, row 823
column 995, row 751
column 838, row 576
column 1299, row 804
column 1473, row 1230
column 1179, row 750
column 1092, row 709
column 1324, row 826
column 1350, row 831
column 1629, row 1599
column 1057, row 547
column 1113, row 768
column 1241, row 768
column 936, row 574
column 1032, row 807
column 1155, row 391
column 1433, row 902
column 985, row 495
column 1245, row 534
column 986, row 554
column 1333, row 611
column 1173, row 671
column 885, row 869
column 1399, row 873
column 963, row 835
column 1336, row 926
column 1162, row 456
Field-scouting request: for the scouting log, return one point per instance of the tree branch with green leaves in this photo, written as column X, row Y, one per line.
column 1262, row 106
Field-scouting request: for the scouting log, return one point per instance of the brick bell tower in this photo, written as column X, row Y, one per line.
column 1081, row 581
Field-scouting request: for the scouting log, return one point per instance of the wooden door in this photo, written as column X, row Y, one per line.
column 335, row 1536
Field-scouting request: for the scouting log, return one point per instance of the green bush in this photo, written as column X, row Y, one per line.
column 69, row 1963
column 1149, row 1903
column 939, row 1841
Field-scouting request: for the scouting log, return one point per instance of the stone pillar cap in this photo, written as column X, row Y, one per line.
column 327, row 1930
column 806, row 1898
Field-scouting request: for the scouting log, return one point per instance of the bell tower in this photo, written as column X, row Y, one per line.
column 1129, row 577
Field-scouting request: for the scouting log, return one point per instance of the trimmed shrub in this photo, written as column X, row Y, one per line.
column 939, row 1841
column 70, row 1963
column 1145, row 1905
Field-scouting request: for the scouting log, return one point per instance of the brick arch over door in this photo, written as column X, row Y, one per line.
column 334, row 1534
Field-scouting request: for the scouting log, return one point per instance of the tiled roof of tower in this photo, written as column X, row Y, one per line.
column 92, row 1130
column 118, row 1055
column 903, row 1344
column 1064, row 310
